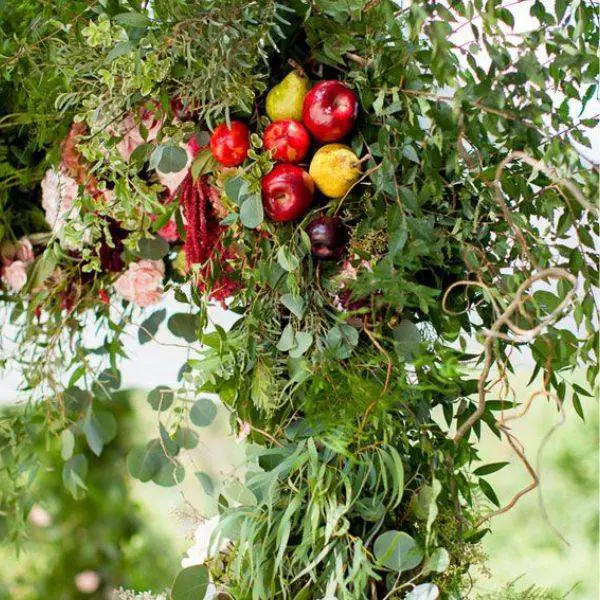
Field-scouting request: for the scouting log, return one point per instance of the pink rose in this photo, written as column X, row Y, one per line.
column 58, row 194
column 25, row 251
column 21, row 250
column 142, row 282
column 16, row 258
column 14, row 275
column 169, row 231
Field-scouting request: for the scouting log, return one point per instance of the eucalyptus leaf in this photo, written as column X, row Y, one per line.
column 143, row 463
column 203, row 412
column 161, row 398
column 397, row 551
column 206, row 482
column 286, row 341
column 172, row 159
column 149, row 326
column 67, row 444
column 153, row 248
column 191, row 583
column 295, row 304
column 183, row 325
column 236, row 189
column 438, row 562
column 133, row 19
column 287, row 260
column 251, row 211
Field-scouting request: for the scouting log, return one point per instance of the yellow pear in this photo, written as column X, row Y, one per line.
column 285, row 100
column 335, row 169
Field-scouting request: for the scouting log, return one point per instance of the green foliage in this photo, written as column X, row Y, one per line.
column 510, row 592
column 471, row 225
column 104, row 531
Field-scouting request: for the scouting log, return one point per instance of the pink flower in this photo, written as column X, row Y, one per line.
column 87, row 582
column 15, row 275
column 244, row 431
column 39, row 517
column 142, row 282
column 58, row 194
column 169, row 231
column 16, row 258
column 21, row 250
column 25, row 251
column 173, row 180
column 132, row 137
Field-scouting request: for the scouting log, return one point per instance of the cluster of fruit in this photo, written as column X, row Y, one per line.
column 326, row 115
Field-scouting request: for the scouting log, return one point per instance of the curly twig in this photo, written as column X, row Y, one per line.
column 504, row 320
column 513, row 442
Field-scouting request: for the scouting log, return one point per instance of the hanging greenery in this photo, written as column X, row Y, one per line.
column 397, row 200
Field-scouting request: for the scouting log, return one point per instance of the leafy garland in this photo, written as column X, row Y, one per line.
column 473, row 190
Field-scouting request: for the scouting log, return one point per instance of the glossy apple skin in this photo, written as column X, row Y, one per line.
column 288, row 139
column 328, row 237
column 330, row 110
column 287, row 192
column 230, row 145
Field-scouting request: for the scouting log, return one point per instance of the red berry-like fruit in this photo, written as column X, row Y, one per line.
column 328, row 237
column 229, row 145
column 329, row 111
column 287, row 192
column 288, row 139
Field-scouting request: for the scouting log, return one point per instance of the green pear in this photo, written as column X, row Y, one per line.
column 285, row 100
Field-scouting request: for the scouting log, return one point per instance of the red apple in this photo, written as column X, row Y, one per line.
column 287, row 192
column 288, row 139
column 230, row 145
column 330, row 110
column 328, row 237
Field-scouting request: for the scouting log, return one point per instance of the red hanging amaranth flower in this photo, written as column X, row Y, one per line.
column 204, row 238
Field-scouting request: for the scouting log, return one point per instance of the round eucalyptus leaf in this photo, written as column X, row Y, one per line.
column 438, row 562
column 191, row 584
column 203, row 412
column 143, row 463
column 397, row 551
column 170, row 473
column 186, row 438
column 183, row 325
column 161, row 398
column 172, row 159
column 153, row 248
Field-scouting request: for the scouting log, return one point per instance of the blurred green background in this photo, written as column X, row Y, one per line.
column 133, row 535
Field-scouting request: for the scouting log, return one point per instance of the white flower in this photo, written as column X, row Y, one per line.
column 425, row 591
column 58, row 194
column 206, row 545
